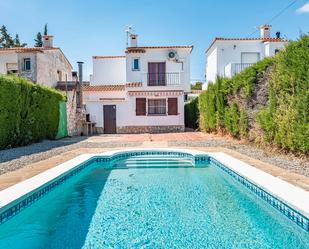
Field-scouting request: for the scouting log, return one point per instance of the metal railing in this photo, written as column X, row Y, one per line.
column 239, row 67
column 163, row 79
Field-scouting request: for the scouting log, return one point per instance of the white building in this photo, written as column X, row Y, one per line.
column 142, row 91
column 44, row 65
column 229, row 56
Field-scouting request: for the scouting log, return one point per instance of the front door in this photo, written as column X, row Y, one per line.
column 109, row 118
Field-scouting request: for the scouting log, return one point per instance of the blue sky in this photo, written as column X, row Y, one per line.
column 86, row 28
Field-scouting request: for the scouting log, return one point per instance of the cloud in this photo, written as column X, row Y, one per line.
column 304, row 9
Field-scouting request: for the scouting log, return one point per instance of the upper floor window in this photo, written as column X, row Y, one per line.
column 27, row 64
column 135, row 64
column 277, row 51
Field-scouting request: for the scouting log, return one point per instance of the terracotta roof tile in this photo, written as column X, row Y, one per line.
column 105, row 88
column 246, row 39
column 22, row 49
column 134, row 84
column 142, row 49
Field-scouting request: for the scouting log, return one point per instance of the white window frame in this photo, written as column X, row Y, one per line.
column 139, row 63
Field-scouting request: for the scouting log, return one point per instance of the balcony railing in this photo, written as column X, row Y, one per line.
column 239, row 67
column 163, row 79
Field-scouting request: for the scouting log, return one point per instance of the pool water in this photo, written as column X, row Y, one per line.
column 172, row 206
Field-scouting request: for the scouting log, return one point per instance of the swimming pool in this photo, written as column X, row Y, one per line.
column 151, row 200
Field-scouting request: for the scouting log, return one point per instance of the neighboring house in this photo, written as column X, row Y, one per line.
column 143, row 91
column 229, row 56
column 44, row 65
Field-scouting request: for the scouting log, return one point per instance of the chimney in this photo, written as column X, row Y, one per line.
column 79, row 96
column 48, row 41
column 265, row 31
column 133, row 39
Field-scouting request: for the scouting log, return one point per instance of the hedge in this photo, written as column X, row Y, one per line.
column 28, row 112
column 283, row 120
column 192, row 114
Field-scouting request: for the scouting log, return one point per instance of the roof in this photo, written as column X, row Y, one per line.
column 108, row 57
column 35, row 49
column 142, row 49
column 245, row 39
column 111, row 87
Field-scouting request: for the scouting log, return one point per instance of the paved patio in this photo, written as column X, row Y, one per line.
column 22, row 163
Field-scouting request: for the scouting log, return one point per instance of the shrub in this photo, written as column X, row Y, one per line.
column 28, row 112
column 284, row 120
column 192, row 114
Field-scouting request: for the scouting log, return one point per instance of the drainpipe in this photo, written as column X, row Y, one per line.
column 79, row 94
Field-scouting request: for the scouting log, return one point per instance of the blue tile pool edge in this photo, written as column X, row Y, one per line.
column 12, row 209
column 279, row 205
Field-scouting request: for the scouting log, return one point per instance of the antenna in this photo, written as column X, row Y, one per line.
column 128, row 30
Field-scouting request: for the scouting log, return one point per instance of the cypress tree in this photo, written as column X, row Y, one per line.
column 38, row 40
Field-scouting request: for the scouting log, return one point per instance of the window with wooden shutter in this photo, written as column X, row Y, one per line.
column 172, row 106
column 140, row 106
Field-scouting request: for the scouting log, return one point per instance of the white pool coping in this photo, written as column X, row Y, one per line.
column 295, row 197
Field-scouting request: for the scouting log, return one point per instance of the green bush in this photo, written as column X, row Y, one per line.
column 28, row 112
column 192, row 114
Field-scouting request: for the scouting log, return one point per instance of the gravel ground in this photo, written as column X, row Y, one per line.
column 13, row 159
column 289, row 162
column 16, row 158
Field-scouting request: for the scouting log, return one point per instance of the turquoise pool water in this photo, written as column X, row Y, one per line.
column 151, row 204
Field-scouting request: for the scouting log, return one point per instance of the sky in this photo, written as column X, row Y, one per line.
column 84, row 28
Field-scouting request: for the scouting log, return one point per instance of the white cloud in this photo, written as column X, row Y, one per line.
column 304, row 9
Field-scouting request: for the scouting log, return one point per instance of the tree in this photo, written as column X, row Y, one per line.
column 45, row 29
column 38, row 40
column 197, row 86
column 17, row 42
column 6, row 41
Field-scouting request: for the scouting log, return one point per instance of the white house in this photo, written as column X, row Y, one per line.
column 44, row 65
column 143, row 91
column 229, row 56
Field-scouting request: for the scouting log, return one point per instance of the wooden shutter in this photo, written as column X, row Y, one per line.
column 140, row 106
column 172, row 106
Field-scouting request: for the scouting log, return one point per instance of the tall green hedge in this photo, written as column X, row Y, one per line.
column 28, row 112
column 283, row 120
column 192, row 114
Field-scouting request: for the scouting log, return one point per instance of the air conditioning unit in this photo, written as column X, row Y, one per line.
column 172, row 55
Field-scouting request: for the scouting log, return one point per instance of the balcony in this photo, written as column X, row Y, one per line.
column 164, row 79
column 232, row 69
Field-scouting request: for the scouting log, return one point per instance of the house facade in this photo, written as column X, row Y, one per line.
column 143, row 91
column 229, row 56
column 44, row 65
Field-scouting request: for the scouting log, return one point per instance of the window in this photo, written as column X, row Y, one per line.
column 156, row 74
column 27, row 64
column 135, row 66
column 156, row 106
column 277, row 51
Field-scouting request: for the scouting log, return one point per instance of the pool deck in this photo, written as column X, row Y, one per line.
column 158, row 141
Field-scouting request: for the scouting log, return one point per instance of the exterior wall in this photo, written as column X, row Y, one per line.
column 6, row 57
column 212, row 67
column 50, row 62
column 160, row 55
column 108, row 70
column 126, row 119
column 229, row 52
column 31, row 74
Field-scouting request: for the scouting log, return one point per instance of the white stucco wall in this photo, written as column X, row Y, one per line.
column 108, row 71
column 225, row 52
column 161, row 55
column 6, row 57
column 125, row 110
